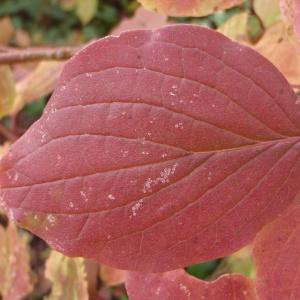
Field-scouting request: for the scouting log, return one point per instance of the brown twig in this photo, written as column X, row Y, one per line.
column 295, row 86
column 7, row 133
column 36, row 54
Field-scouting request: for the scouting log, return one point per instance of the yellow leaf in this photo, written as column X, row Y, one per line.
column 236, row 27
column 289, row 11
column 3, row 148
column 67, row 4
column 14, row 265
column 6, row 29
column 38, row 83
column 22, row 38
column 282, row 50
column 111, row 276
column 188, row 7
column 268, row 11
column 7, row 90
column 68, row 277
column 142, row 19
column 240, row 262
column 86, row 10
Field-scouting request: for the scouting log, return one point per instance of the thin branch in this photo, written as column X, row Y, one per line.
column 6, row 48
column 8, row 134
column 295, row 86
column 36, row 54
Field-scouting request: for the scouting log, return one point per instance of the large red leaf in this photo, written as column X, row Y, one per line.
column 177, row 285
column 158, row 149
column 276, row 254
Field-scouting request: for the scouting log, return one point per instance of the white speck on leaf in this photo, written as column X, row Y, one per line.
column 163, row 178
column 84, row 196
column 43, row 134
column 179, row 125
column 209, row 175
column 136, row 207
column 124, row 153
column 158, row 291
column 111, row 197
column 185, row 289
column 51, row 219
column 16, row 176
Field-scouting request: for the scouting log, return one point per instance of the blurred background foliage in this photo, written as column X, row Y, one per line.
column 26, row 87
column 62, row 22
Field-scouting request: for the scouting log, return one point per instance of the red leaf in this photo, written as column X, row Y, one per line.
column 177, row 285
column 276, row 254
column 158, row 149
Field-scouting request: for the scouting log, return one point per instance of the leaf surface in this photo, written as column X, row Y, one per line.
column 277, row 259
column 268, row 11
column 142, row 19
column 281, row 49
column 86, row 10
column 38, row 83
column 14, row 265
column 189, row 7
column 236, row 27
column 178, row 285
column 290, row 10
column 111, row 276
column 7, row 30
column 7, row 90
column 158, row 149
column 67, row 276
